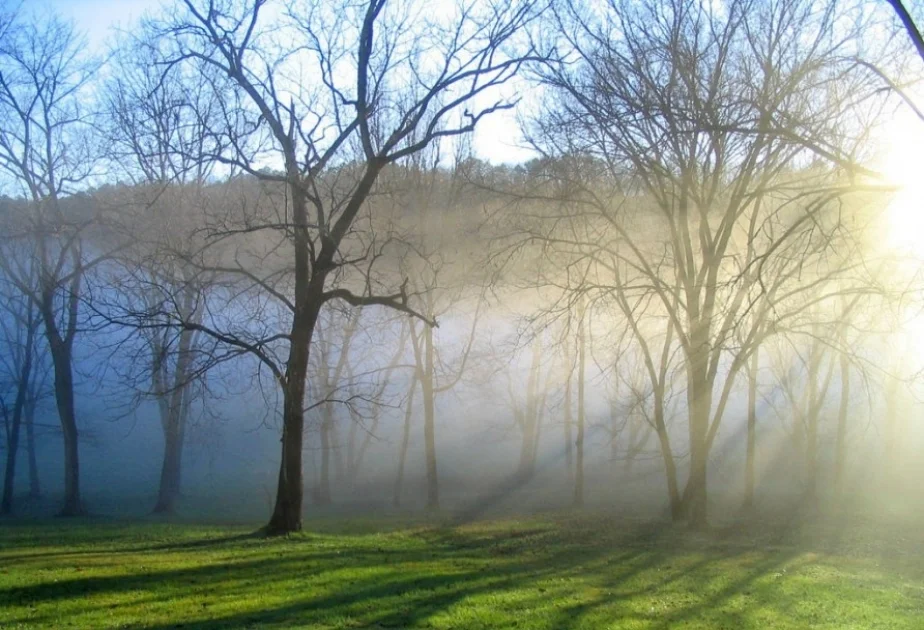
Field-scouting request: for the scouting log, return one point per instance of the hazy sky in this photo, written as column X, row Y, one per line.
column 495, row 140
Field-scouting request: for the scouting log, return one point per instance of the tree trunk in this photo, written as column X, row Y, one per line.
column 322, row 495
column 749, row 463
column 22, row 391
column 174, row 409
column 64, row 398
column 841, row 445
column 336, row 448
column 527, row 461
column 569, row 437
column 632, row 428
column 170, row 469
column 352, row 454
column 670, row 470
column 433, row 497
column 529, row 420
column 405, row 438
column 811, row 458
column 700, row 404
column 35, row 490
column 579, row 444
column 287, row 512
column 12, row 445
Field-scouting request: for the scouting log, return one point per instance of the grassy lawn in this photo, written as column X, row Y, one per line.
column 541, row 572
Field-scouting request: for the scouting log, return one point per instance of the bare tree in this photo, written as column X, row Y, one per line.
column 383, row 86
column 46, row 150
column 720, row 128
column 156, row 132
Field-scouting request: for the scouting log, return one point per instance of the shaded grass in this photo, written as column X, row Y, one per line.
column 552, row 571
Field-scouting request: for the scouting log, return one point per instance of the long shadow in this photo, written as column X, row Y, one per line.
column 445, row 567
column 129, row 548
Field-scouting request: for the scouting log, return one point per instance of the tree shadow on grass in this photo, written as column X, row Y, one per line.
column 446, row 568
column 531, row 573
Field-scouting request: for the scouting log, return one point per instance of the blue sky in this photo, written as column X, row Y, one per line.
column 495, row 139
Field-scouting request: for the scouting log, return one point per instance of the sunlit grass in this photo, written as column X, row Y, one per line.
column 536, row 573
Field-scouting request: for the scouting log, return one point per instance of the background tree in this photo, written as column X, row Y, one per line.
column 19, row 373
column 156, row 131
column 46, row 152
column 702, row 120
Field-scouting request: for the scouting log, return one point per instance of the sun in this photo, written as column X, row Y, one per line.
column 903, row 166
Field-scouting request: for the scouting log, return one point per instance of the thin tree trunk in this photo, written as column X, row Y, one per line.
column 35, row 490
column 841, row 446
column 174, row 409
column 568, row 411
column 336, row 449
column 526, row 467
column 405, row 438
column 817, row 395
column 12, row 445
column 433, row 496
column 579, row 450
column 323, row 496
column 811, row 433
column 527, row 463
column 670, row 469
column 630, row 445
column 22, row 391
column 749, row 464
column 569, row 437
column 352, row 454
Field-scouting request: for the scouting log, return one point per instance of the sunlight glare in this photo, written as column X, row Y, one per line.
column 904, row 138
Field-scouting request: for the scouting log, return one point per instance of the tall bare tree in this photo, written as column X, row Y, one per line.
column 718, row 130
column 371, row 85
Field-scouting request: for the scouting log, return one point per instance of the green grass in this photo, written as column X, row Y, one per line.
column 543, row 572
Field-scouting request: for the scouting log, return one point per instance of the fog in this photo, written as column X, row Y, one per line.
column 251, row 280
